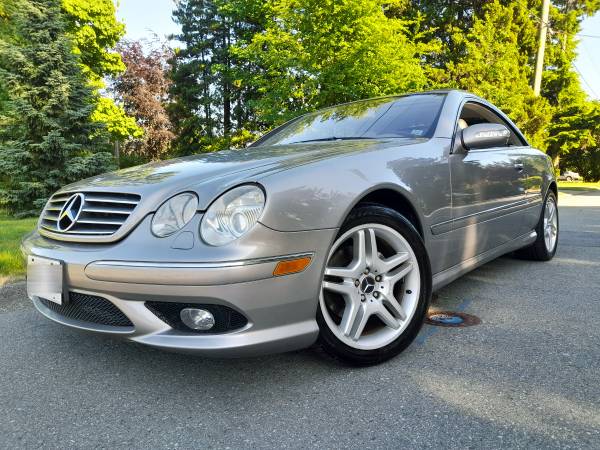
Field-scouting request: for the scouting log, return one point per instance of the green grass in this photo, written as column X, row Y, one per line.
column 577, row 186
column 12, row 230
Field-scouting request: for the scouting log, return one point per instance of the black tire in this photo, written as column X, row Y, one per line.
column 377, row 214
column 538, row 250
column 569, row 178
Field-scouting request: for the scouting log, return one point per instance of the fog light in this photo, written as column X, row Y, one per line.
column 197, row 319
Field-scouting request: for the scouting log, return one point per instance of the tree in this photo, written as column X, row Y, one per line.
column 47, row 142
column 316, row 53
column 571, row 129
column 490, row 48
column 210, row 94
column 493, row 66
column 143, row 90
column 95, row 31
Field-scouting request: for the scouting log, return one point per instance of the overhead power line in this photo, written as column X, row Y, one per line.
column 585, row 81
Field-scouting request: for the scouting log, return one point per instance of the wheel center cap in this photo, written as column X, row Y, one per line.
column 367, row 285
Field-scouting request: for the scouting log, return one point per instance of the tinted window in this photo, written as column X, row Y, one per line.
column 401, row 117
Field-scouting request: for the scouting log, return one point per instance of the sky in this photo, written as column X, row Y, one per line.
column 588, row 61
column 146, row 18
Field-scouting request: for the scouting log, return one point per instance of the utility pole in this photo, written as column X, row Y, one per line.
column 539, row 64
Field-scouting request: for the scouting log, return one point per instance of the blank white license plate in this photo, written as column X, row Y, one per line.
column 45, row 279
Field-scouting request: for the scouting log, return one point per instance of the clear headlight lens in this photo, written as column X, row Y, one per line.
column 232, row 215
column 174, row 214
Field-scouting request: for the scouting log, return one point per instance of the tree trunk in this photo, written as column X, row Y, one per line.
column 226, row 85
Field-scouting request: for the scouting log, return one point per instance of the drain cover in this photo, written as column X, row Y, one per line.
column 451, row 319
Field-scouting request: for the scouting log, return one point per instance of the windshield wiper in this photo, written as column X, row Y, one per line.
column 332, row 138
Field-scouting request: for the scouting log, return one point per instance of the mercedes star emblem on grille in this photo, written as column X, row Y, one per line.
column 69, row 213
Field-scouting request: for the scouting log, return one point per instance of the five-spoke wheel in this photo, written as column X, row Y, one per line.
column 375, row 284
column 550, row 224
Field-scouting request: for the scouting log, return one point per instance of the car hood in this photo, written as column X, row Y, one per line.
column 210, row 174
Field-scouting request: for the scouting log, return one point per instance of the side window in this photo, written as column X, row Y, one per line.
column 473, row 113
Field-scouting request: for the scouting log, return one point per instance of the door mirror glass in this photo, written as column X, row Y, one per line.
column 485, row 135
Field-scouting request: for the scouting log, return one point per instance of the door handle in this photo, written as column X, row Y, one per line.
column 519, row 167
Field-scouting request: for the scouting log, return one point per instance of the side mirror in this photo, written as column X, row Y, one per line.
column 484, row 135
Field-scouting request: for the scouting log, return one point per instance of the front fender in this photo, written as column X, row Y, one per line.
column 318, row 196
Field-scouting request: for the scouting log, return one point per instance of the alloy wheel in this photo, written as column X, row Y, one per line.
column 370, row 288
column 550, row 224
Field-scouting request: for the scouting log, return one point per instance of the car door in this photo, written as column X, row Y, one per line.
column 488, row 189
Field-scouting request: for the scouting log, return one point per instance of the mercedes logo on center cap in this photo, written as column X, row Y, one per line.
column 367, row 285
column 69, row 213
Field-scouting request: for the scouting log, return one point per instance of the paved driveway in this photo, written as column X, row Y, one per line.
column 527, row 376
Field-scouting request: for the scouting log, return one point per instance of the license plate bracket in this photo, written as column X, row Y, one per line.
column 45, row 279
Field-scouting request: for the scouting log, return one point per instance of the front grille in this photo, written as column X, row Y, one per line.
column 91, row 309
column 226, row 319
column 102, row 213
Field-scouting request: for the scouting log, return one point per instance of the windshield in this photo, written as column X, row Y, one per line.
column 401, row 117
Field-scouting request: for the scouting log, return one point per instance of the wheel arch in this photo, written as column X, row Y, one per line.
column 395, row 200
column 554, row 188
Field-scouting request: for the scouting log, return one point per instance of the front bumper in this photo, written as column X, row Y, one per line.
column 280, row 311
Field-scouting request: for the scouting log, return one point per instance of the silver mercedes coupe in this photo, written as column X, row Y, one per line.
column 333, row 228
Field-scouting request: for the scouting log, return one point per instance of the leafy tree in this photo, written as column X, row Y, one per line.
column 46, row 143
column 315, row 53
column 143, row 91
column 120, row 126
column 95, row 31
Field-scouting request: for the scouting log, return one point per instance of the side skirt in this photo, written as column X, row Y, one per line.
column 445, row 277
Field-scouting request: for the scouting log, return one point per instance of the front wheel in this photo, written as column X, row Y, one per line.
column 376, row 287
column 569, row 178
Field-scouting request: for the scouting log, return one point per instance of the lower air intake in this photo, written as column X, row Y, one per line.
column 91, row 309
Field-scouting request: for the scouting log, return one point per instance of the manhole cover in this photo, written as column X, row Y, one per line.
column 451, row 319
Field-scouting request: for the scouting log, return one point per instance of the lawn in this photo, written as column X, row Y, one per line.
column 577, row 186
column 11, row 231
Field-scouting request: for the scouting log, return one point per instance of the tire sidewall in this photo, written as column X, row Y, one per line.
column 371, row 214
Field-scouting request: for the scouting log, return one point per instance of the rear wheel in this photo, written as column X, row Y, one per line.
column 569, row 178
column 376, row 287
column 544, row 248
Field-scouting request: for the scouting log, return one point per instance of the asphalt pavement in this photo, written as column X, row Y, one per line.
column 528, row 376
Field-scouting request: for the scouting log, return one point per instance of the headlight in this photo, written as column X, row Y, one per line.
column 174, row 214
column 232, row 215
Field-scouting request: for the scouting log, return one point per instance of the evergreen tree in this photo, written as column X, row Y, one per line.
column 46, row 143
column 210, row 95
column 494, row 67
column 570, row 128
column 585, row 157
